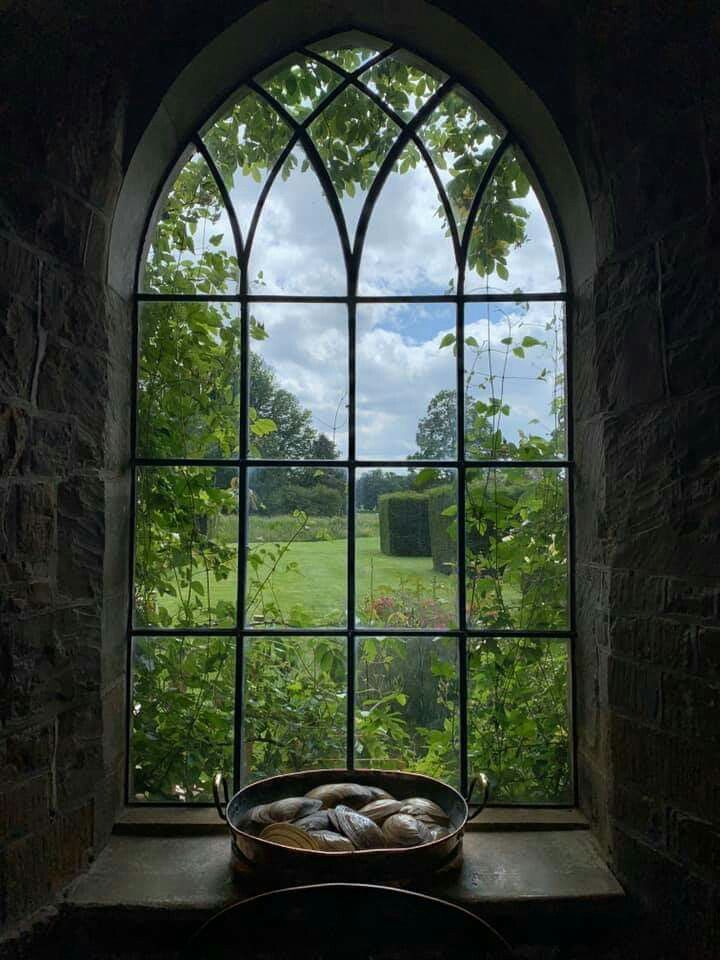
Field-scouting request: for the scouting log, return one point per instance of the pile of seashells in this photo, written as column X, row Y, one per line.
column 341, row 817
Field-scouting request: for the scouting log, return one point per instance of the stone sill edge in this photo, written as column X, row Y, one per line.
column 169, row 821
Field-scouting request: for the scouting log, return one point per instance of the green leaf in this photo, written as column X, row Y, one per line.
column 447, row 340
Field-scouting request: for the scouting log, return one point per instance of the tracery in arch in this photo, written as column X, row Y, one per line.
column 351, row 269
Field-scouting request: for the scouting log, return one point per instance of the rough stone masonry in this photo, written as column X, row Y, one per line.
column 634, row 87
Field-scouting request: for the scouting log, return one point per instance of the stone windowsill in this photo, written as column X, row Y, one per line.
column 521, row 870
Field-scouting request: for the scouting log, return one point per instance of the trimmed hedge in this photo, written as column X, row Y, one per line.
column 404, row 526
column 443, row 530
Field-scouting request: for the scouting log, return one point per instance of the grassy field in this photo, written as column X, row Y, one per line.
column 318, row 582
column 312, row 573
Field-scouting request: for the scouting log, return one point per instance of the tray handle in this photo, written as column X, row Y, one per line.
column 220, row 781
column 483, row 781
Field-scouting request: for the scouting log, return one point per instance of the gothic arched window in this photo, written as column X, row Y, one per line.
column 351, row 461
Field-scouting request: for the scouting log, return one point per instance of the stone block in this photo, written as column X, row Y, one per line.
column 54, row 446
column 36, row 506
column 644, row 208
column 638, row 812
column 632, row 690
column 654, row 640
column 18, row 349
column 23, row 808
column 708, row 654
column 690, row 708
column 81, row 530
column 73, row 309
column 73, row 383
column 14, row 437
column 696, row 843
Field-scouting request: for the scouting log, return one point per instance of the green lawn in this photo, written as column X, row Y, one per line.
column 319, row 582
column 312, row 575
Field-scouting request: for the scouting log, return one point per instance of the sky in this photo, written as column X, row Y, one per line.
column 400, row 365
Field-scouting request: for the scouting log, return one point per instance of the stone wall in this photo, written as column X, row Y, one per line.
column 634, row 88
column 62, row 505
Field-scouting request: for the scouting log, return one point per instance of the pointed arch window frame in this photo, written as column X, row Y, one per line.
column 352, row 257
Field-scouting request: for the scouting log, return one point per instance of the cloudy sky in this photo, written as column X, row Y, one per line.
column 400, row 365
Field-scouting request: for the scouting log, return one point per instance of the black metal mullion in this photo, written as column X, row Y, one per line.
column 316, row 162
column 513, row 297
column 261, row 631
column 393, row 153
column 352, row 454
column 225, row 195
column 350, row 75
column 492, row 166
column 403, row 124
column 362, row 464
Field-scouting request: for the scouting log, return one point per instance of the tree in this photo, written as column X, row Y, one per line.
column 436, row 434
column 293, row 436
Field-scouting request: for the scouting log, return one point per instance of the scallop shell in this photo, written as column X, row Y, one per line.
column 426, row 810
column 353, row 794
column 380, row 810
column 289, row 836
column 319, row 820
column 290, row 808
column 329, row 840
column 402, row 830
column 360, row 830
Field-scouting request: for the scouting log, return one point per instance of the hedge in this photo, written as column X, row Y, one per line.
column 443, row 530
column 404, row 527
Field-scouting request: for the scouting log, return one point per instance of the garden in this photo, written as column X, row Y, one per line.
column 248, row 574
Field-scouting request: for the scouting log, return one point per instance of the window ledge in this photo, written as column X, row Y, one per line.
column 525, row 881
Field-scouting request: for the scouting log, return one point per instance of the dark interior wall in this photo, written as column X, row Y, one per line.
column 634, row 89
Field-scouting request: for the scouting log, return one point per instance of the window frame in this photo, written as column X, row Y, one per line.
column 244, row 463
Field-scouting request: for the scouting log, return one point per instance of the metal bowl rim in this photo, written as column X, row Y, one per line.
column 299, row 851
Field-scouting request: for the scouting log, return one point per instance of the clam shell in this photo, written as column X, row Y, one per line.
column 380, row 794
column 289, row 836
column 360, row 830
column 290, row 808
column 423, row 809
column 402, row 830
column 319, row 820
column 438, row 831
column 329, row 840
column 380, row 810
column 352, row 794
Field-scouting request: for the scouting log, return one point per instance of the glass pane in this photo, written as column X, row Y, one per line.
column 192, row 248
column 406, row 397
column 518, row 718
column 515, row 383
column 183, row 702
column 299, row 84
column 349, row 50
column 294, row 705
column 353, row 137
column 511, row 246
column 407, row 249
column 406, row 549
column 298, row 381
column 297, row 547
column 516, row 548
column 245, row 141
column 403, row 82
column 186, row 546
column 188, row 399
column 296, row 249
column 406, row 709
column 461, row 140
